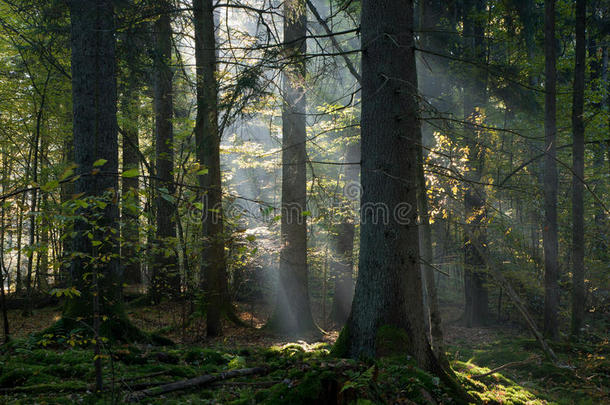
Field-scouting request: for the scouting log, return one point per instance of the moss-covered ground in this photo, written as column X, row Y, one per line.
column 59, row 370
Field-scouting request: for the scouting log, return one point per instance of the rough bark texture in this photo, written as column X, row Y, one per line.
column 95, row 138
column 475, row 278
column 578, row 162
column 388, row 294
column 551, row 265
column 213, row 265
column 342, row 266
column 292, row 313
column 165, row 275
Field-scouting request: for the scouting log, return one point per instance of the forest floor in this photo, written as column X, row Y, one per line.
column 59, row 370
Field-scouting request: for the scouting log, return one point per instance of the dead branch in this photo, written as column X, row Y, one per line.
column 192, row 382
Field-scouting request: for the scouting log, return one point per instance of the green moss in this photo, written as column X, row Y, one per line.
column 391, row 340
column 341, row 346
column 315, row 388
column 15, row 377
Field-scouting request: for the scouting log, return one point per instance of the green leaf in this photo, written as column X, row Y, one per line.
column 69, row 172
column 131, row 173
column 51, row 185
column 99, row 162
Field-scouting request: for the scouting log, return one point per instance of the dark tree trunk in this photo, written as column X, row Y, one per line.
column 165, row 280
column 578, row 162
column 343, row 265
column 3, row 269
column 95, row 138
column 213, row 260
column 387, row 312
column 551, row 265
column 475, row 278
column 292, row 313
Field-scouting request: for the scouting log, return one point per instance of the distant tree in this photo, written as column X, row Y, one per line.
column 551, row 265
column 292, row 312
column 578, row 163
column 475, row 278
column 165, row 280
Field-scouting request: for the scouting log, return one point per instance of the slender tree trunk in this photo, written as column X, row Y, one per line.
column 165, row 275
column 292, row 312
column 130, row 209
column 213, row 265
column 3, row 272
column 342, row 267
column 551, row 265
column 578, row 162
column 475, row 277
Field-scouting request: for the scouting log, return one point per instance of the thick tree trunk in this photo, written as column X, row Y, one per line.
column 342, row 267
column 213, row 260
column 578, row 162
column 292, row 313
column 387, row 312
column 475, row 277
column 165, row 280
column 95, row 138
column 551, row 265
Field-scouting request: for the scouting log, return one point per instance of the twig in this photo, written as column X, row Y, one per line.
column 502, row 367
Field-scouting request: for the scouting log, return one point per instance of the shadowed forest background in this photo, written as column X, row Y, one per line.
column 305, row 201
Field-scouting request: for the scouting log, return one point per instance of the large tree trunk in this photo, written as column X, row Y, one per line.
column 292, row 313
column 551, row 265
column 165, row 280
column 578, row 162
column 95, row 138
column 475, row 277
column 213, row 260
column 387, row 312
column 342, row 266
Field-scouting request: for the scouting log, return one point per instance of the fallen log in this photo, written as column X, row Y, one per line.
column 192, row 382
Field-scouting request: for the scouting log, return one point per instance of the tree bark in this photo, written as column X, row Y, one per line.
column 292, row 312
column 475, row 278
column 551, row 265
column 388, row 292
column 165, row 280
column 578, row 163
column 207, row 135
column 95, row 137
column 343, row 265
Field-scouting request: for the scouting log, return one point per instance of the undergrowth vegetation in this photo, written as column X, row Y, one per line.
column 60, row 371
